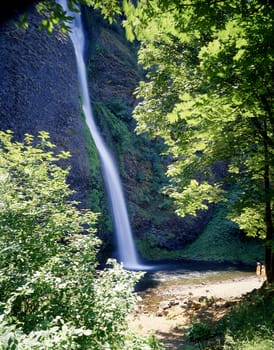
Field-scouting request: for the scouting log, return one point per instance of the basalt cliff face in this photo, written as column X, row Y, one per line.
column 39, row 91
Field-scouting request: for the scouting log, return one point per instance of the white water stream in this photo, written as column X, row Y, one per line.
column 125, row 244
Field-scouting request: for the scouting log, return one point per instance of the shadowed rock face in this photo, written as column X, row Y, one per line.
column 39, row 91
column 11, row 8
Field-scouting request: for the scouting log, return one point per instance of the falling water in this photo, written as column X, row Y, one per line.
column 126, row 249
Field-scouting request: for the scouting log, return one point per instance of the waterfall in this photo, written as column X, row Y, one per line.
column 126, row 249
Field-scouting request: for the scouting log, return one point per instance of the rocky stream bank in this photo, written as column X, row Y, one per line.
column 176, row 301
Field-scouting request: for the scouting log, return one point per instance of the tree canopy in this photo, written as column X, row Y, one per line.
column 54, row 15
column 208, row 93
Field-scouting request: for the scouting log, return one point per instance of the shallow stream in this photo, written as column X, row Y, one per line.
column 165, row 282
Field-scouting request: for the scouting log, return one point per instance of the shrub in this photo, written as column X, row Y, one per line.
column 198, row 331
column 51, row 294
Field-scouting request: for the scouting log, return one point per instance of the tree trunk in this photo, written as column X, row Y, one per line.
column 269, row 253
column 269, row 249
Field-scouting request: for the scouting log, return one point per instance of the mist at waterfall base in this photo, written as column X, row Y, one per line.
column 127, row 254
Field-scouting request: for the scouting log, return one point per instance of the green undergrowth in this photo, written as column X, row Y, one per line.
column 147, row 251
column 249, row 325
column 220, row 241
column 229, row 249
column 113, row 128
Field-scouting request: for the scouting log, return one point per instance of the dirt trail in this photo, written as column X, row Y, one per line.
column 166, row 311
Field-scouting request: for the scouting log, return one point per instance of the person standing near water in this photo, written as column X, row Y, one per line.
column 258, row 269
column 263, row 272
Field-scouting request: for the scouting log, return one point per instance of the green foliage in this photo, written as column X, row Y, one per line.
column 139, row 343
column 114, row 130
column 198, row 331
column 55, row 16
column 59, row 336
column 107, row 8
column 119, row 107
column 195, row 196
column 251, row 220
column 222, row 240
column 209, row 93
column 148, row 250
column 247, row 325
column 147, row 247
column 250, row 323
column 262, row 341
column 151, row 245
column 34, row 212
column 119, row 130
column 51, row 295
column 94, row 163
